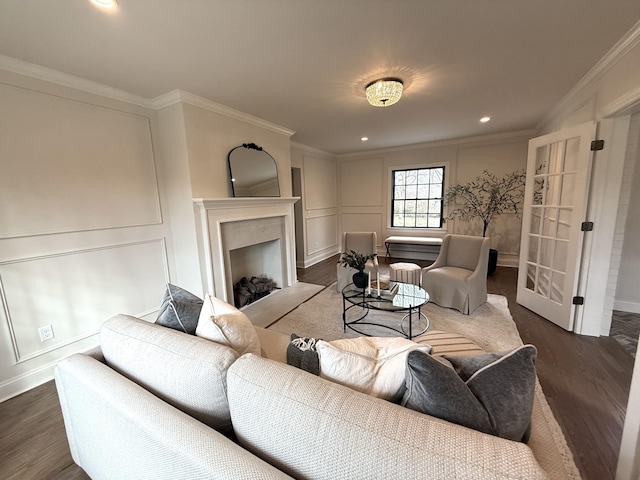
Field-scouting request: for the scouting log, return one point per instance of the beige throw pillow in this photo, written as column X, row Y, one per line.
column 223, row 323
column 372, row 365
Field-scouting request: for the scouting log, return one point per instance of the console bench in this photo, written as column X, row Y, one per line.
column 413, row 245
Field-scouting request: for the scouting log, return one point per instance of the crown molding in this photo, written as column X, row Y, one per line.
column 477, row 140
column 311, row 150
column 180, row 96
column 176, row 96
column 71, row 81
column 629, row 41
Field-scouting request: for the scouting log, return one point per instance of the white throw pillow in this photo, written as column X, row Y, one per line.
column 372, row 365
column 223, row 323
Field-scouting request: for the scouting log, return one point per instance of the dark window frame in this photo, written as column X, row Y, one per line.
column 407, row 201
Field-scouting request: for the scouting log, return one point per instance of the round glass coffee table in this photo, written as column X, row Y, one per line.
column 407, row 298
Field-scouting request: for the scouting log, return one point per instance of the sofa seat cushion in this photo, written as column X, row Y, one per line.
column 187, row 372
column 223, row 323
column 492, row 393
column 372, row 365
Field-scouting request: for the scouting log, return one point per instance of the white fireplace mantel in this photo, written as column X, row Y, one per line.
column 214, row 255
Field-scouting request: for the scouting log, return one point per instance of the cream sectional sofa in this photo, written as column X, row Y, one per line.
column 155, row 403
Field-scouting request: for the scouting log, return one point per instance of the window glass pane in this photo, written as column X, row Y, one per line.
column 435, row 191
column 571, row 156
column 549, row 222
column 546, row 249
column 531, row 276
column 435, row 206
column 398, row 206
column 542, row 285
column 564, row 223
column 557, row 286
column 421, row 206
column 434, row 221
column 412, row 191
column 538, row 188
column 410, row 221
column 423, row 191
column 536, row 213
column 423, row 176
column 560, row 256
column 421, row 220
column 556, row 159
column 552, row 194
column 568, row 186
column 398, row 191
column 533, row 249
column 542, row 159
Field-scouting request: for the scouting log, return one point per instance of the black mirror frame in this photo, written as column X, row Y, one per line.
column 251, row 146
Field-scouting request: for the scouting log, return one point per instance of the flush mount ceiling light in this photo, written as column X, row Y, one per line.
column 485, row 119
column 110, row 4
column 384, row 92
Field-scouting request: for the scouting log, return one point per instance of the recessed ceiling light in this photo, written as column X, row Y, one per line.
column 364, row 139
column 485, row 119
column 110, row 4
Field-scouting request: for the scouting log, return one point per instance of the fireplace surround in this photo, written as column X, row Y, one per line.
column 232, row 230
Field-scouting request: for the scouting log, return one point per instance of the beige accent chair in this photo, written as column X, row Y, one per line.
column 458, row 277
column 361, row 242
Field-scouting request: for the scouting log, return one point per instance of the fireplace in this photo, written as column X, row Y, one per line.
column 245, row 237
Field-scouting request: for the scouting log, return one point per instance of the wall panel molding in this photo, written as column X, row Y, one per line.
column 85, row 166
column 77, row 291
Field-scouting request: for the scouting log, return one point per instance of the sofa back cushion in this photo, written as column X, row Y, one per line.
column 312, row 428
column 463, row 251
column 185, row 371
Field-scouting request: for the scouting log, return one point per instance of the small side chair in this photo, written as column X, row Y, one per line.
column 458, row 277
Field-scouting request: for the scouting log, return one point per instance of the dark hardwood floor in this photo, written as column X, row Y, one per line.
column 586, row 381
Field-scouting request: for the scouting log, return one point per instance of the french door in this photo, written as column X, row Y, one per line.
column 558, row 171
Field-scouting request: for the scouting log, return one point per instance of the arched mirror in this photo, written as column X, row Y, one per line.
column 253, row 172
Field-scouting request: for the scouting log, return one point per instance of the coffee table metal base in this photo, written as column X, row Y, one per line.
column 406, row 327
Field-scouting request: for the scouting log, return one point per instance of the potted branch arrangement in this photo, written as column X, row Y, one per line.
column 357, row 261
column 486, row 197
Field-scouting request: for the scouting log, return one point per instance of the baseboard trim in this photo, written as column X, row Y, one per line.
column 16, row 386
column 631, row 307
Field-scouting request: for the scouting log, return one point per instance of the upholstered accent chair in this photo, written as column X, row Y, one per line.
column 361, row 242
column 458, row 277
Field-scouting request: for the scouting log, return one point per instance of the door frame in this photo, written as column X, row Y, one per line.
column 606, row 176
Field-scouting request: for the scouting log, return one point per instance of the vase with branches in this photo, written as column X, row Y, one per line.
column 486, row 197
column 357, row 261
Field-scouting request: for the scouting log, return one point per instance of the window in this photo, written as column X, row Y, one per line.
column 417, row 198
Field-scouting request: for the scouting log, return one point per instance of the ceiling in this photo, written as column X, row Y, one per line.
column 303, row 64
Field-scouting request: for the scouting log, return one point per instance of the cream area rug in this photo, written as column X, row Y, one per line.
column 490, row 326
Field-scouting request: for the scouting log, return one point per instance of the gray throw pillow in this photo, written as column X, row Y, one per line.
column 492, row 393
column 302, row 353
column 180, row 310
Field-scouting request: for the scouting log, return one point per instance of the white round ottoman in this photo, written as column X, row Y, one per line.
column 406, row 272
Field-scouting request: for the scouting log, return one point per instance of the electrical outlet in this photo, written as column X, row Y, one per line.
column 46, row 333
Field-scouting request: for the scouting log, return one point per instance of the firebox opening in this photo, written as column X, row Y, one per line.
column 256, row 271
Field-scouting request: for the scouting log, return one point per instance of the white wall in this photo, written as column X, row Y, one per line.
column 83, row 233
column 96, row 208
column 365, row 186
column 319, row 201
column 627, row 296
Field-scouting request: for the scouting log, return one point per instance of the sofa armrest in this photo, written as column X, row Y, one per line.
column 117, row 429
